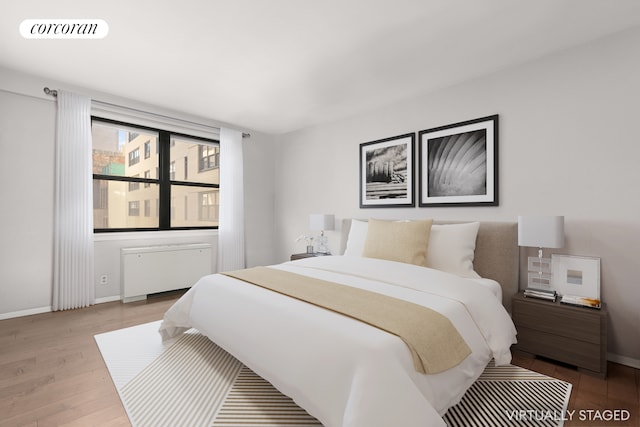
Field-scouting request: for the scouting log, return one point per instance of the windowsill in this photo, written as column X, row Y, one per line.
column 145, row 235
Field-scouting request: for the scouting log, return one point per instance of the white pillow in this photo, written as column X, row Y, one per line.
column 357, row 238
column 452, row 248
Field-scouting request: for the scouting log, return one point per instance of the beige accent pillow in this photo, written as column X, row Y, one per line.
column 402, row 241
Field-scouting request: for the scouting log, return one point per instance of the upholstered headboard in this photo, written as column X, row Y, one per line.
column 496, row 256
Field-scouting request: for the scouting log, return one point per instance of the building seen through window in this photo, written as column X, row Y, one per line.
column 130, row 192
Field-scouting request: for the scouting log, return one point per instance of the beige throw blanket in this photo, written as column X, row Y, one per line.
column 434, row 342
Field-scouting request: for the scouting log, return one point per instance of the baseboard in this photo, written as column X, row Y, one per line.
column 40, row 310
column 624, row 360
column 108, row 299
column 23, row 313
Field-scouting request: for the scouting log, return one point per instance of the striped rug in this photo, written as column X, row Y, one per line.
column 252, row 401
column 186, row 385
column 511, row 396
column 193, row 382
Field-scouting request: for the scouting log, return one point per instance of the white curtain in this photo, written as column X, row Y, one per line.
column 231, row 230
column 73, row 285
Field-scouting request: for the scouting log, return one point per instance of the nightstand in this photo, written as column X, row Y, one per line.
column 306, row 255
column 573, row 335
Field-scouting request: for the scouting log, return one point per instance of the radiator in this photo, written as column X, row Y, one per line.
column 153, row 269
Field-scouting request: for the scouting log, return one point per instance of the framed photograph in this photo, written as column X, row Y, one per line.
column 386, row 172
column 458, row 164
column 576, row 276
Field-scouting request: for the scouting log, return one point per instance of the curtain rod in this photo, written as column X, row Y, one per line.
column 54, row 93
column 48, row 91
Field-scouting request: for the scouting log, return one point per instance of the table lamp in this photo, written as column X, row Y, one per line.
column 540, row 232
column 321, row 223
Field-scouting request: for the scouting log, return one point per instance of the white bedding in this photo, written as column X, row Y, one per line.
column 342, row 371
column 492, row 285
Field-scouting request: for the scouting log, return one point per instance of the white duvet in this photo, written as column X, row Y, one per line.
column 342, row 371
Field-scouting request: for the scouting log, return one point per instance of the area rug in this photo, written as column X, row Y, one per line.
column 190, row 381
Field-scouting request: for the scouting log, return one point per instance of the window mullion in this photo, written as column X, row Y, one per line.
column 164, row 159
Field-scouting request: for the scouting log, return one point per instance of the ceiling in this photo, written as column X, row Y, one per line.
column 280, row 65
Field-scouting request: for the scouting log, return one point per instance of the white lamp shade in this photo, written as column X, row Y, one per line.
column 541, row 231
column 321, row 222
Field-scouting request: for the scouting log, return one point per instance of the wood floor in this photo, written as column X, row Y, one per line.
column 51, row 371
column 619, row 391
column 52, row 374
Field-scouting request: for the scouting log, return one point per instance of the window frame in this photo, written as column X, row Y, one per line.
column 164, row 143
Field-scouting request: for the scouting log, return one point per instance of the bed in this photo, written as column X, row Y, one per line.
column 346, row 372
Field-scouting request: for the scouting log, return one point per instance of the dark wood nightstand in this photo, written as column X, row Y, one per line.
column 306, row 255
column 573, row 335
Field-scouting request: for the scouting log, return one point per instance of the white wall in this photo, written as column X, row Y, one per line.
column 27, row 136
column 568, row 146
column 27, row 126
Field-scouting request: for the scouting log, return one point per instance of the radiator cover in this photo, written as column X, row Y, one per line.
column 153, row 269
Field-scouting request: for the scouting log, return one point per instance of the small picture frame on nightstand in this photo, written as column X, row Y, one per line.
column 577, row 278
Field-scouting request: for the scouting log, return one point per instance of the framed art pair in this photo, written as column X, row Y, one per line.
column 457, row 166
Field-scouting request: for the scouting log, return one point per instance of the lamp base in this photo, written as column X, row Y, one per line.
column 322, row 245
column 539, row 275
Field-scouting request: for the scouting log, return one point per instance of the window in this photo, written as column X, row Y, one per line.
column 147, row 149
column 134, row 156
column 134, row 208
column 122, row 204
column 184, row 153
column 209, row 157
column 209, row 206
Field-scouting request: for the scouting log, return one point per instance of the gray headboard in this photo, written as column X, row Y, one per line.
column 496, row 256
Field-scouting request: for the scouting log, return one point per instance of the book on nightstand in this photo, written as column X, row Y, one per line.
column 545, row 294
column 581, row 301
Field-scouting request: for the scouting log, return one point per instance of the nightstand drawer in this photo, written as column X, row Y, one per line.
column 575, row 352
column 575, row 323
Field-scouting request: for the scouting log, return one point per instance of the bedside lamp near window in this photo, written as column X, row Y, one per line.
column 322, row 223
column 540, row 232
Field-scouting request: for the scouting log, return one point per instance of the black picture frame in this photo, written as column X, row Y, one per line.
column 458, row 164
column 387, row 177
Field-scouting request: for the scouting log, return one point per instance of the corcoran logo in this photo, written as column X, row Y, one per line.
column 64, row 28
